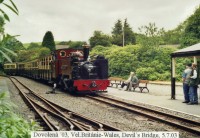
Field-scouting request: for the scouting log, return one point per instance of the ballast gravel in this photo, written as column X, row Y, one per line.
column 123, row 120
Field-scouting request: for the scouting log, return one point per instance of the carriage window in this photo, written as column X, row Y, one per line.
column 62, row 53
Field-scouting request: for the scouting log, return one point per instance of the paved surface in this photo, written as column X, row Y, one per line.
column 159, row 95
column 3, row 86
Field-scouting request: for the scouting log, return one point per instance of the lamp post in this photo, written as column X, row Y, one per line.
column 122, row 36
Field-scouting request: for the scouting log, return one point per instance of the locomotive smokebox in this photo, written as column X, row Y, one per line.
column 86, row 52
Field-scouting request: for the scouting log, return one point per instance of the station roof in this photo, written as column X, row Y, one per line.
column 193, row 50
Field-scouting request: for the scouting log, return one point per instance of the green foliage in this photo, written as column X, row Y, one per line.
column 32, row 53
column 150, row 37
column 11, row 125
column 33, row 46
column 76, row 44
column 42, row 52
column 121, row 62
column 14, row 45
column 191, row 33
column 73, row 44
column 119, row 58
column 129, row 36
column 48, row 41
column 26, row 45
column 98, row 50
column 117, row 33
column 121, row 32
column 153, row 64
column 10, row 6
column 174, row 36
column 2, row 23
column 99, row 38
column 7, row 41
column 145, row 72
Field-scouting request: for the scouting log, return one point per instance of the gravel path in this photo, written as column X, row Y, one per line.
column 103, row 113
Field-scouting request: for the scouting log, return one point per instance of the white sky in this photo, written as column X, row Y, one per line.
column 77, row 19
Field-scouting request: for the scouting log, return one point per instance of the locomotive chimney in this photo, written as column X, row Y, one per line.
column 86, row 52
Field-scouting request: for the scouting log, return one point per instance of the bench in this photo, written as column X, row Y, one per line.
column 142, row 84
column 115, row 81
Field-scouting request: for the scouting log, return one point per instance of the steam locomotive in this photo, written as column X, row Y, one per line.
column 71, row 69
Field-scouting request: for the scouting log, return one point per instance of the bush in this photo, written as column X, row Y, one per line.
column 145, row 73
column 151, row 64
column 12, row 126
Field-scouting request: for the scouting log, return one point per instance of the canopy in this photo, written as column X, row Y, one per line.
column 193, row 50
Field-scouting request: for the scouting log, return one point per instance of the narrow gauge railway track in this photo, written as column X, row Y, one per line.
column 179, row 122
column 57, row 118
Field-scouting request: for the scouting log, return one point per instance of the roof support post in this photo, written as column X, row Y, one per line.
column 173, row 78
column 195, row 59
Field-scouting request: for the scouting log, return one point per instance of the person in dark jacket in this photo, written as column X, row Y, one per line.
column 193, row 86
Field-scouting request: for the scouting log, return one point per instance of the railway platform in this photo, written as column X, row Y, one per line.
column 159, row 95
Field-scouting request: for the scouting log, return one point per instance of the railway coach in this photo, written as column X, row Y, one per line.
column 71, row 69
column 10, row 68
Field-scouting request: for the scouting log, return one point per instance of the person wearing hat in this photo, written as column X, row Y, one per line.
column 185, row 79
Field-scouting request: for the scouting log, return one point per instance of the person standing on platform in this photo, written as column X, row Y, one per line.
column 193, row 86
column 53, row 90
column 186, row 78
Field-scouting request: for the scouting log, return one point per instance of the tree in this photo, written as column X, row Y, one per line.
column 149, row 40
column 174, row 36
column 123, row 34
column 150, row 36
column 129, row 37
column 48, row 41
column 117, row 34
column 191, row 33
column 99, row 38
